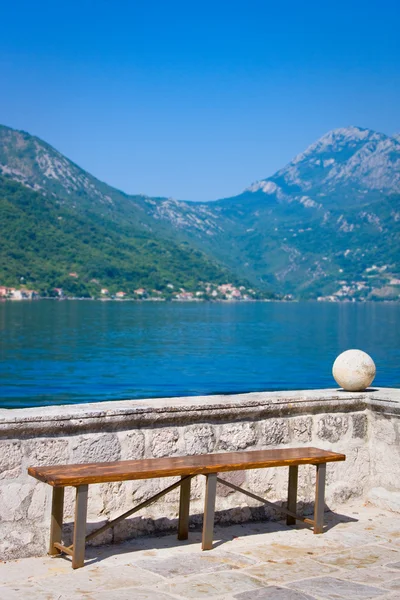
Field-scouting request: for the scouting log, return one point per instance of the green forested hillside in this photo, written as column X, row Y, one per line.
column 43, row 240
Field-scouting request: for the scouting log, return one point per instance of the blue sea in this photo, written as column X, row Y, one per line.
column 62, row 352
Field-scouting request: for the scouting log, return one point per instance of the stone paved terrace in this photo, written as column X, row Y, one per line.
column 357, row 557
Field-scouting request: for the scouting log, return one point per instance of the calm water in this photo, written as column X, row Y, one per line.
column 73, row 351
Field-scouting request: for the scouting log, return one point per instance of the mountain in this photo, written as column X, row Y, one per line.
column 317, row 227
column 47, row 245
column 342, row 167
column 37, row 165
column 56, row 220
column 326, row 225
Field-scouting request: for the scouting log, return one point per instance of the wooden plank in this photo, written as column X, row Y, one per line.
column 78, row 557
column 65, row 475
column 209, row 511
column 184, row 507
column 292, row 494
column 57, row 513
column 319, row 505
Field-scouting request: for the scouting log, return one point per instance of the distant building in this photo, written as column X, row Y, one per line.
column 16, row 295
column 104, row 291
column 140, row 292
column 225, row 287
column 120, row 294
column 236, row 294
column 73, row 274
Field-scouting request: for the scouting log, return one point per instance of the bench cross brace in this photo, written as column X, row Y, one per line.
column 263, row 501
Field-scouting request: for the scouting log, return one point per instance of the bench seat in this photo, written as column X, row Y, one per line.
column 73, row 475
column 185, row 467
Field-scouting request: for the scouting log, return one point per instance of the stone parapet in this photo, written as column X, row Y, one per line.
column 363, row 425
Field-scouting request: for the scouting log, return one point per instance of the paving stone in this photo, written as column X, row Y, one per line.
column 275, row 552
column 190, row 564
column 359, row 558
column 352, row 536
column 392, row 585
column 273, row 593
column 236, row 561
column 213, row 584
column 24, row 590
column 330, row 588
column 395, row 565
column 128, row 594
column 289, row 570
column 33, row 569
column 378, row 576
column 91, row 579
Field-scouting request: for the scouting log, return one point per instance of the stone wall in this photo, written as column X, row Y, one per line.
column 365, row 426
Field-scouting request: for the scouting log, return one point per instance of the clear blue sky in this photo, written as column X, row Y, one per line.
column 196, row 99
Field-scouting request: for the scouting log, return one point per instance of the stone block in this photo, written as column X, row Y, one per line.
column 275, row 432
column 235, row 477
column 113, row 497
column 360, row 425
column 164, row 442
column 335, row 589
column 262, row 481
column 132, row 528
column 15, row 499
column 46, row 451
column 96, row 448
column 383, row 498
column 300, row 429
column 222, row 584
column 273, row 592
column 332, row 427
column 237, row 436
column 199, row 439
column 22, row 538
column 39, row 507
column 385, row 430
column 143, row 489
column 10, row 459
column 132, row 445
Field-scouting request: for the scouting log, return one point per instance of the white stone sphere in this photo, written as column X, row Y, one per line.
column 354, row 370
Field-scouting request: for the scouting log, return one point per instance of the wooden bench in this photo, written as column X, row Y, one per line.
column 82, row 475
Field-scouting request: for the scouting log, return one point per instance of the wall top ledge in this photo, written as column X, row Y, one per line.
column 183, row 410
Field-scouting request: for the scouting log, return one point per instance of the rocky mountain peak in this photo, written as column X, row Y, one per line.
column 355, row 157
column 34, row 163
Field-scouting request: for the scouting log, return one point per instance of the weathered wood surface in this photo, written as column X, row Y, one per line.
column 74, row 475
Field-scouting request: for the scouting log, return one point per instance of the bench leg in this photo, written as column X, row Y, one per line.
column 57, row 513
column 292, row 494
column 184, row 505
column 78, row 557
column 209, row 510
column 319, row 505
